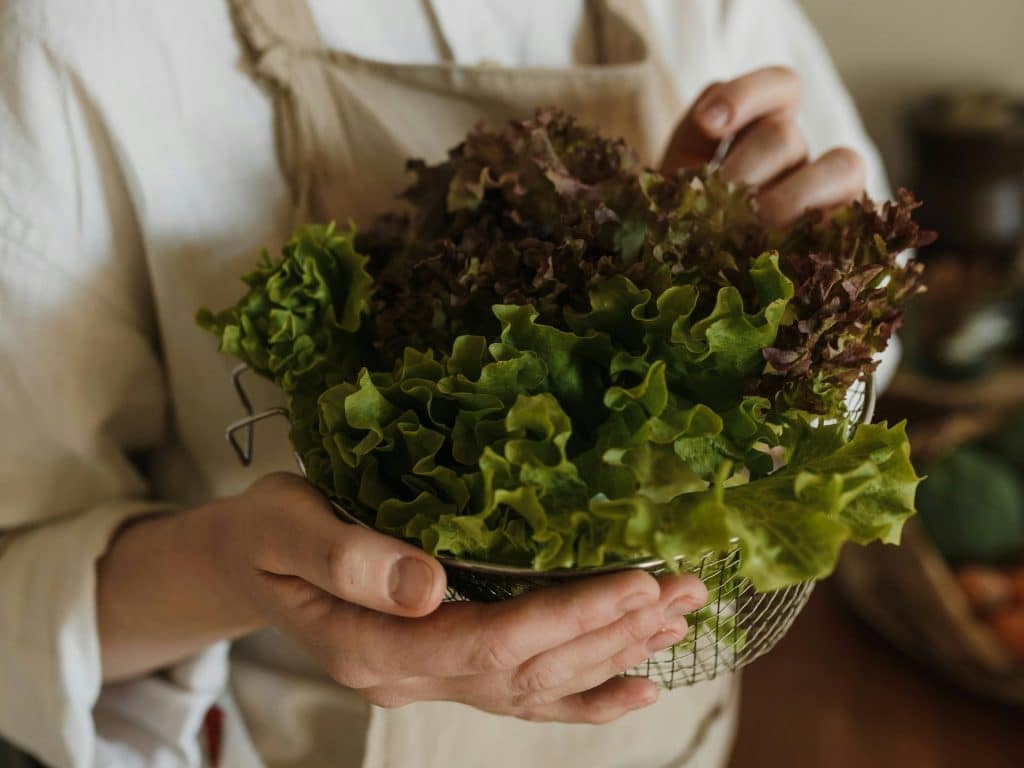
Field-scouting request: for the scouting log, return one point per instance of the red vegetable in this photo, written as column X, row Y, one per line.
column 986, row 588
column 1008, row 626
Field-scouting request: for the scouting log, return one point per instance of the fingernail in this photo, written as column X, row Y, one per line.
column 635, row 601
column 715, row 115
column 411, row 582
column 682, row 606
column 664, row 639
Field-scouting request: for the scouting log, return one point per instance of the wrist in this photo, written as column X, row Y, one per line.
column 223, row 565
column 164, row 593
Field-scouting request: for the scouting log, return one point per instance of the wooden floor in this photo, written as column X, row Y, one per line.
column 833, row 694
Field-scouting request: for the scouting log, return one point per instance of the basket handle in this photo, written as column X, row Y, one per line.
column 244, row 447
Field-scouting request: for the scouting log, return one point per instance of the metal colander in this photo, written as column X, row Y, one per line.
column 737, row 625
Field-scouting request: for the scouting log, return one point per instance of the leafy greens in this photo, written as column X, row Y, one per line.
column 556, row 358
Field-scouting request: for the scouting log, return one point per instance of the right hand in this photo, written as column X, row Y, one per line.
column 368, row 608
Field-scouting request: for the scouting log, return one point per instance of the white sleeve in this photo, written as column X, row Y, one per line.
column 761, row 33
column 82, row 397
column 828, row 115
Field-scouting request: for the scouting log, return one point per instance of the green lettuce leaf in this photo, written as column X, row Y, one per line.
column 556, row 358
column 659, row 477
column 790, row 525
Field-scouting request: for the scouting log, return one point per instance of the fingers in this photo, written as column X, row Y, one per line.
column 580, row 664
column 587, row 663
column 727, row 108
column 471, row 638
column 357, row 565
column 603, row 704
column 591, row 659
column 768, row 149
column 606, row 702
column 573, row 667
column 535, row 654
column 835, row 178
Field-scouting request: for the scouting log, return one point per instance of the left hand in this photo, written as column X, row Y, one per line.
column 769, row 150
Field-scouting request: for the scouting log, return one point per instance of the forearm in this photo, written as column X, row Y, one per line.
column 162, row 593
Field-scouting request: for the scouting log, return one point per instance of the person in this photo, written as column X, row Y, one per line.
column 160, row 604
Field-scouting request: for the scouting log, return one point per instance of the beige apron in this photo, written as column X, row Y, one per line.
column 345, row 126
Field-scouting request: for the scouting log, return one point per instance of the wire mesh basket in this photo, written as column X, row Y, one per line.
column 737, row 625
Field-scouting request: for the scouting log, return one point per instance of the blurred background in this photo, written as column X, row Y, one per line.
column 915, row 656
column 892, row 53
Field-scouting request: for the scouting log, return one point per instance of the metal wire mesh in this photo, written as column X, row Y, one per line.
column 738, row 624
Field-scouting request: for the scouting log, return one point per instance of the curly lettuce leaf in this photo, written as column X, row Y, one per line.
column 299, row 322
column 543, row 212
column 483, row 466
column 302, row 312
column 556, row 358
column 790, row 525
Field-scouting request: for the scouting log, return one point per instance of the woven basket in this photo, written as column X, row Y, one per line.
column 910, row 595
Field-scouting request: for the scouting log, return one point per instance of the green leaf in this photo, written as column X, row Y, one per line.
column 791, row 524
column 554, row 358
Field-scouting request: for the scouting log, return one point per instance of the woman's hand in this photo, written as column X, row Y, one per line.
column 368, row 608
column 768, row 149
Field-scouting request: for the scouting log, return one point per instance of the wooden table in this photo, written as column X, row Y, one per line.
column 833, row 694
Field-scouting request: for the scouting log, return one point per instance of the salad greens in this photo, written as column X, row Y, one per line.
column 556, row 358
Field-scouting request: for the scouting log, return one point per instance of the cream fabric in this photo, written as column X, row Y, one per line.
column 138, row 177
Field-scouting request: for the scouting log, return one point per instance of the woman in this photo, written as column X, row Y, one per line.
column 147, row 150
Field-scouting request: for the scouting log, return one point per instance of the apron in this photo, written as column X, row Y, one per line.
column 344, row 127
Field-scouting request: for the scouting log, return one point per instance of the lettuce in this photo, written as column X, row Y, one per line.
column 483, row 466
column 542, row 212
column 558, row 359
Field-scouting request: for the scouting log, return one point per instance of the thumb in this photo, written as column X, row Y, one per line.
column 689, row 147
column 353, row 563
column 692, row 143
column 725, row 109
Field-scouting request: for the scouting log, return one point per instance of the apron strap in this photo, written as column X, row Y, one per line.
column 264, row 24
column 444, row 48
column 269, row 31
column 613, row 32
column 621, row 30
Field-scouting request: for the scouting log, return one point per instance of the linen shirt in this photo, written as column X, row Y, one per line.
column 135, row 152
